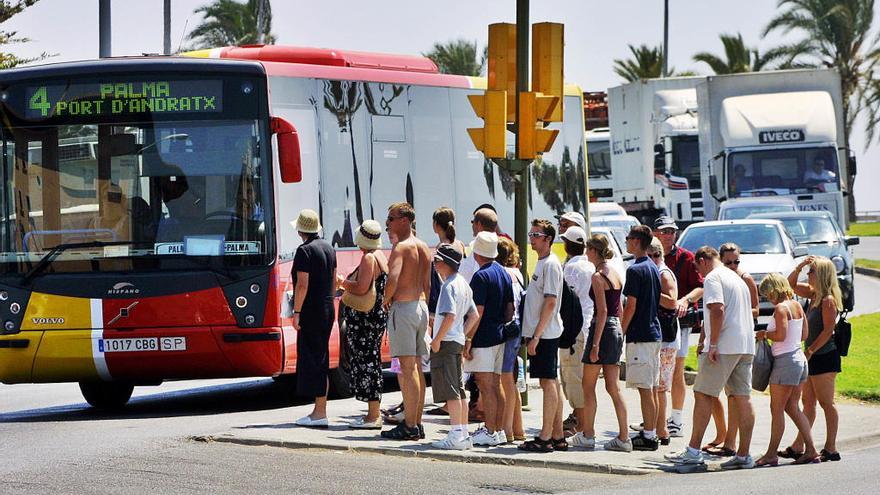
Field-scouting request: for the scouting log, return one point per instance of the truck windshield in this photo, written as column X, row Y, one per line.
column 783, row 171
column 599, row 159
column 686, row 157
column 136, row 194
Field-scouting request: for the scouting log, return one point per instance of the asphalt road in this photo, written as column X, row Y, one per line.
column 53, row 442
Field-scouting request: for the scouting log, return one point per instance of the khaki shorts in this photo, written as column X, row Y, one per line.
column 643, row 365
column 446, row 375
column 485, row 360
column 732, row 372
column 571, row 371
column 407, row 325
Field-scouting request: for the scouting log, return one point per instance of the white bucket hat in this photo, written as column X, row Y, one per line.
column 369, row 235
column 307, row 222
column 486, row 245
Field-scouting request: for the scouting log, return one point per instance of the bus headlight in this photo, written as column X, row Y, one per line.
column 255, row 288
column 839, row 263
column 241, row 302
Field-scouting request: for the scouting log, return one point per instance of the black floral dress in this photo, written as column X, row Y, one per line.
column 364, row 338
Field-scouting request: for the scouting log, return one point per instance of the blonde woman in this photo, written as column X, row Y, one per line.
column 823, row 358
column 787, row 330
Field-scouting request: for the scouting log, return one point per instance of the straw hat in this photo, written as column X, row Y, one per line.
column 486, row 245
column 369, row 235
column 307, row 222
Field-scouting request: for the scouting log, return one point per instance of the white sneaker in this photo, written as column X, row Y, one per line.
column 312, row 423
column 737, row 462
column 361, row 424
column 685, row 457
column 502, row 437
column 483, row 437
column 579, row 440
column 618, row 445
column 674, row 428
column 450, row 443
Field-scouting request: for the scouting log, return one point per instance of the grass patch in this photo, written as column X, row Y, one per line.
column 868, row 263
column 860, row 378
column 868, row 229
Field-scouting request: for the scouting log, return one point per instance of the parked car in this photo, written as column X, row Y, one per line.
column 819, row 233
column 622, row 222
column 621, row 258
column 738, row 208
column 765, row 246
column 606, row 208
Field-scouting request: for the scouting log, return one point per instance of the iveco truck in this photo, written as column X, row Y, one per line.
column 775, row 133
column 655, row 149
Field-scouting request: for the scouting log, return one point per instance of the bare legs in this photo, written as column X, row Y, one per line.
column 820, row 388
column 512, row 416
column 412, row 387
column 552, row 402
column 590, row 379
column 493, row 407
column 784, row 399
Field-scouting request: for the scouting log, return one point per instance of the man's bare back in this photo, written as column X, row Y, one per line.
column 409, row 270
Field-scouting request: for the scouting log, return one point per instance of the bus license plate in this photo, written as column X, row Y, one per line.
column 129, row 345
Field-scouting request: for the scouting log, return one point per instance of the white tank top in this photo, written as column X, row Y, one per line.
column 793, row 334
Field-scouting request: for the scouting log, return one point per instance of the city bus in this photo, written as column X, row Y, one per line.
column 164, row 250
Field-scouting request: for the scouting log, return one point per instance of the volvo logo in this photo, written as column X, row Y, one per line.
column 48, row 321
column 123, row 289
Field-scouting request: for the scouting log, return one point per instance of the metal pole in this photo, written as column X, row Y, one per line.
column 665, row 38
column 166, row 48
column 521, row 200
column 104, row 49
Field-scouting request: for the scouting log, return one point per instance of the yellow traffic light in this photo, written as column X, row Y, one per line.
column 491, row 139
column 532, row 138
column 501, row 63
column 547, row 64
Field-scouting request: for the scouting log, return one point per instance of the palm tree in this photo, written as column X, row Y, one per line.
column 458, row 57
column 739, row 58
column 837, row 36
column 7, row 11
column 230, row 23
column 647, row 63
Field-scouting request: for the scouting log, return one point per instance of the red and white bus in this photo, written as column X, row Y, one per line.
column 147, row 201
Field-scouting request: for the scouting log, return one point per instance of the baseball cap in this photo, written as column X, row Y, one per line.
column 575, row 217
column 665, row 222
column 449, row 255
column 576, row 235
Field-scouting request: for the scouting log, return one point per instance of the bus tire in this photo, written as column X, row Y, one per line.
column 106, row 395
column 340, row 376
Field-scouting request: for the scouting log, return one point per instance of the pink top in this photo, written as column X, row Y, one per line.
column 793, row 335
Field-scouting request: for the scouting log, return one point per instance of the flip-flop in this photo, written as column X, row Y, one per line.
column 720, row 452
column 808, row 460
column 826, row 456
column 789, row 453
column 710, row 445
column 762, row 463
column 437, row 411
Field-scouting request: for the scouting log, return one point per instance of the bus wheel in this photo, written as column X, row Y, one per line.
column 106, row 395
column 340, row 377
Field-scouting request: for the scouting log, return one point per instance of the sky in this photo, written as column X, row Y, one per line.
column 596, row 33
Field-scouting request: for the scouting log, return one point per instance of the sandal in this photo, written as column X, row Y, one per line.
column 437, row 411
column 537, row 445
column 559, row 444
column 763, row 462
column 720, row 451
column 790, row 453
column 709, row 446
column 826, row 456
column 809, row 460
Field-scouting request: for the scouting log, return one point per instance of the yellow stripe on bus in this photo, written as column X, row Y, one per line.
column 51, row 312
column 65, row 356
column 16, row 363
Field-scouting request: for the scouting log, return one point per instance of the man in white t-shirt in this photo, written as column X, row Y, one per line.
column 727, row 360
column 542, row 327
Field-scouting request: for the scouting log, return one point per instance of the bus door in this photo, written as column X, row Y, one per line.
column 35, row 192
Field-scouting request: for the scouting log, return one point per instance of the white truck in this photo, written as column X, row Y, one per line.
column 775, row 133
column 655, row 150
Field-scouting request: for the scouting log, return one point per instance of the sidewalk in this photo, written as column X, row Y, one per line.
column 281, row 432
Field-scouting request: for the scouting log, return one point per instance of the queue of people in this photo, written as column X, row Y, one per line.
column 479, row 312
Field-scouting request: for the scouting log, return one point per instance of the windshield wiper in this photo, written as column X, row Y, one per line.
column 47, row 259
column 830, row 241
column 752, row 252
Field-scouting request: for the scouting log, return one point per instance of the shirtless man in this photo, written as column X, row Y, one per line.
column 407, row 289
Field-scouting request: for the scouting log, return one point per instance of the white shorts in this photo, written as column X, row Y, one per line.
column 684, row 337
column 485, row 360
column 643, row 365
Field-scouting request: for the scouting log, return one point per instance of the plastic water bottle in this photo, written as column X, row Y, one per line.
column 521, row 376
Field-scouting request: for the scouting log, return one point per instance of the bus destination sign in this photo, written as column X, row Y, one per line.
column 112, row 98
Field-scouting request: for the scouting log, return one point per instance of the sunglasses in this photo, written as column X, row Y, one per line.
column 666, row 231
column 630, row 237
column 391, row 219
column 537, row 234
column 731, row 262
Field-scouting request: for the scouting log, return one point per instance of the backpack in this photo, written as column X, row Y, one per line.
column 572, row 317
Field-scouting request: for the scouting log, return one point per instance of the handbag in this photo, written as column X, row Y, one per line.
column 287, row 304
column 762, row 366
column 842, row 334
column 668, row 324
column 364, row 302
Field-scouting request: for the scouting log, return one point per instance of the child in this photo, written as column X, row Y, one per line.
column 455, row 301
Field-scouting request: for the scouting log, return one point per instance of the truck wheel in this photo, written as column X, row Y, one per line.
column 340, row 377
column 106, row 395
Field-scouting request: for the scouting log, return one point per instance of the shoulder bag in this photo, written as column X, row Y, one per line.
column 842, row 334
column 364, row 302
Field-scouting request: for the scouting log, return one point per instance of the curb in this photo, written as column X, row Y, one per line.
column 871, row 272
column 440, row 456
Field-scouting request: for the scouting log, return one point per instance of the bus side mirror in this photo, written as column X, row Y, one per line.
column 851, row 164
column 288, row 150
column 659, row 159
column 713, row 184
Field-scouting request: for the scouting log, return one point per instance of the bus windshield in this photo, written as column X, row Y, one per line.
column 149, row 192
column 599, row 159
column 783, row 171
